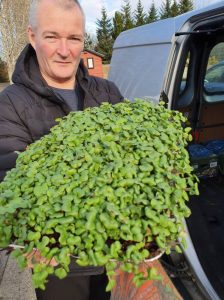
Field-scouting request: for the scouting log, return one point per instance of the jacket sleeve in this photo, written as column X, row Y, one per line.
column 14, row 135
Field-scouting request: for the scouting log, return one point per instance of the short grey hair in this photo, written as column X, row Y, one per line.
column 64, row 4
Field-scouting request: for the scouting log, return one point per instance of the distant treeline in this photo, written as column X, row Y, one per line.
column 126, row 18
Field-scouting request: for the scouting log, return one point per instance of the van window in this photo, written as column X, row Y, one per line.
column 185, row 74
column 214, row 76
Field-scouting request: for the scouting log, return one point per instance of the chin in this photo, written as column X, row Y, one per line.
column 64, row 77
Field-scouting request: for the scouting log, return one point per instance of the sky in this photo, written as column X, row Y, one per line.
column 92, row 9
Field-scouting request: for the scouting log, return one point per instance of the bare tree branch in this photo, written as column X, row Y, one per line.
column 13, row 23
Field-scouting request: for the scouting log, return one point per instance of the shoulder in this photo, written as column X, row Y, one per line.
column 9, row 99
column 104, row 84
column 10, row 92
column 16, row 95
column 6, row 95
column 104, row 89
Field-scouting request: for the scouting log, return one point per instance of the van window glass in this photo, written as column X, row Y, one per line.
column 185, row 74
column 214, row 76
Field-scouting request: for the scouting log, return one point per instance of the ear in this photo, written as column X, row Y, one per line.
column 31, row 36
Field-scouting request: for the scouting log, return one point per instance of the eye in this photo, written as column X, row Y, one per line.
column 75, row 38
column 50, row 37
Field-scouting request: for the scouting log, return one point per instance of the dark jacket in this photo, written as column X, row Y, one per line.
column 29, row 107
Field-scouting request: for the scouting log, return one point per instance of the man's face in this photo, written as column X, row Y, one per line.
column 58, row 40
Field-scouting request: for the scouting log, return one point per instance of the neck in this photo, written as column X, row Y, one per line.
column 68, row 84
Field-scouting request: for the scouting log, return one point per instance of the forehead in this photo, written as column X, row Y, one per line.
column 51, row 17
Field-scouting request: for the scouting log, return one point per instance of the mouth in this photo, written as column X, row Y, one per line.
column 63, row 62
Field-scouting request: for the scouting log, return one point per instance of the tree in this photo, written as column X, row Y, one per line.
column 139, row 16
column 117, row 24
column 104, row 36
column 13, row 23
column 89, row 42
column 152, row 15
column 185, row 6
column 126, row 11
column 3, row 72
column 174, row 9
column 165, row 11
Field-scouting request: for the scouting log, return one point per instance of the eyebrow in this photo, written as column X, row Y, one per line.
column 56, row 33
column 49, row 32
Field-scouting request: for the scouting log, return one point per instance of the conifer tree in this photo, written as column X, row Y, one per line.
column 139, row 16
column 104, row 36
column 185, row 6
column 175, row 9
column 126, row 11
column 89, row 42
column 152, row 14
column 165, row 11
column 117, row 24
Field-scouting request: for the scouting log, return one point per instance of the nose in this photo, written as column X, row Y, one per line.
column 63, row 48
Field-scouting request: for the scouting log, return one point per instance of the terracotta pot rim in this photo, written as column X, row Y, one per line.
column 145, row 260
column 155, row 257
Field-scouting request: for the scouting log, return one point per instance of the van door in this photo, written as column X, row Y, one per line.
column 199, row 93
column 199, row 90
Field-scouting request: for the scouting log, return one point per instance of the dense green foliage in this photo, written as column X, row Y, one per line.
column 175, row 9
column 110, row 183
column 185, row 6
column 127, row 15
column 152, row 14
column 165, row 11
column 117, row 24
column 104, row 36
column 139, row 16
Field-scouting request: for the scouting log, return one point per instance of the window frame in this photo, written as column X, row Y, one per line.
column 209, row 96
column 88, row 62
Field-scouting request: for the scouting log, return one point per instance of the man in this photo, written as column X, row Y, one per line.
column 49, row 82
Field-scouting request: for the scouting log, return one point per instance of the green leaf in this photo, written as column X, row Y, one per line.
column 60, row 273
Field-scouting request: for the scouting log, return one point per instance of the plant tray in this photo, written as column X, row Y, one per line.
column 205, row 166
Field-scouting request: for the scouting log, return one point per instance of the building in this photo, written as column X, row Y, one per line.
column 93, row 62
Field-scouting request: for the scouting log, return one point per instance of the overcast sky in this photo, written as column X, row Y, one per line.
column 93, row 8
